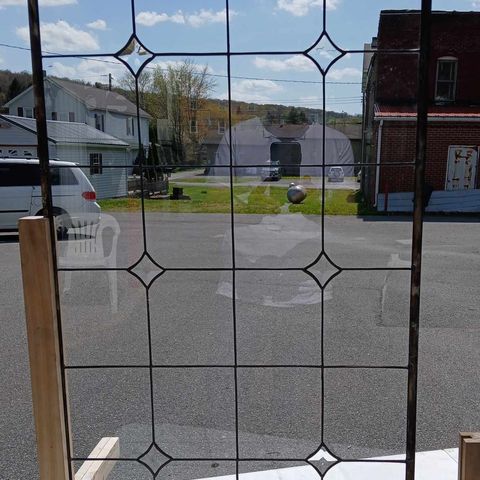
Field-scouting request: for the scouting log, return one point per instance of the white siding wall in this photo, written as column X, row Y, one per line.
column 24, row 101
column 56, row 100
column 115, row 125
column 113, row 181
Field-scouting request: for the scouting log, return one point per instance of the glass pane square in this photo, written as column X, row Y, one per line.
column 365, row 412
column 279, row 412
column 112, row 402
column 192, row 325
column 104, row 318
column 195, row 412
column 366, row 318
column 278, row 318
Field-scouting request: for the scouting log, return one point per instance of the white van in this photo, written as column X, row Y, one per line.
column 74, row 198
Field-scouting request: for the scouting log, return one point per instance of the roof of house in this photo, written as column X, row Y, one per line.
column 93, row 97
column 434, row 12
column 435, row 111
column 287, row 131
column 67, row 132
column 99, row 98
column 353, row 131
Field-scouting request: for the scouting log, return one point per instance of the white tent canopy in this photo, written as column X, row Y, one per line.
column 301, row 144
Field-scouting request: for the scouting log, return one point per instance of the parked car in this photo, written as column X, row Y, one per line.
column 336, row 174
column 73, row 196
column 271, row 172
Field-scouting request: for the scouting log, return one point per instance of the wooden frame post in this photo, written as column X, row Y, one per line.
column 51, row 423
column 469, row 456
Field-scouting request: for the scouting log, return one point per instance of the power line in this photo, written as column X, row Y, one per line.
column 312, row 82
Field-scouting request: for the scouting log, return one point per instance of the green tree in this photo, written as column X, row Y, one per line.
column 269, row 118
column 14, row 89
column 302, row 118
column 292, row 116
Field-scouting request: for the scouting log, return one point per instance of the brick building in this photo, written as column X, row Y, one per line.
column 390, row 94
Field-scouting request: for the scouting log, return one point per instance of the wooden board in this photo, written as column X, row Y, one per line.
column 107, row 447
column 43, row 347
column 469, row 456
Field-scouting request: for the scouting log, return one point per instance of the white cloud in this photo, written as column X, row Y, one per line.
column 98, row 24
column 62, row 37
column 97, row 69
column 43, row 3
column 197, row 19
column 258, row 91
column 92, row 70
column 344, row 73
column 300, row 8
column 296, row 63
column 476, row 4
column 58, row 69
column 149, row 19
column 207, row 16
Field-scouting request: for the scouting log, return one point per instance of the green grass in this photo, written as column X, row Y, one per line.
column 211, row 180
column 247, row 200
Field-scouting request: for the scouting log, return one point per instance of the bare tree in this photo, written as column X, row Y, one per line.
column 179, row 95
column 127, row 83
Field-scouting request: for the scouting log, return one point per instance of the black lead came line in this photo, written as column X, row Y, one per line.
column 233, row 243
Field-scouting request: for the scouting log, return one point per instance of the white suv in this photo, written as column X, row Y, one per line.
column 74, row 198
column 336, row 174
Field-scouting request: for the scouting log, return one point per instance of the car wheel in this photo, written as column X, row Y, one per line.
column 62, row 233
column 61, row 228
column 62, row 223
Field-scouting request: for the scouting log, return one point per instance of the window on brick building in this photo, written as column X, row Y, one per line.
column 446, row 79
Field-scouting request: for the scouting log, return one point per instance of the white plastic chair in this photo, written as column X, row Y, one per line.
column 85, row 249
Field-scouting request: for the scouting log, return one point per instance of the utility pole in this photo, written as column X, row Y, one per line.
column 110, row 82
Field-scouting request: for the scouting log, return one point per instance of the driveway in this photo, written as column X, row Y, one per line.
column 278, row 318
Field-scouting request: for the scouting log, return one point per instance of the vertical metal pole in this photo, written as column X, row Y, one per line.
column 39, row 97
column 43, row 155
column 421, row 153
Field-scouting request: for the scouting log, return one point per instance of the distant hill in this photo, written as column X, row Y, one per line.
column 12, row 83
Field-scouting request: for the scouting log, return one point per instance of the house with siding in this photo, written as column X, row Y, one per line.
column 102, row 109
column 98, row 153
column 452, row 178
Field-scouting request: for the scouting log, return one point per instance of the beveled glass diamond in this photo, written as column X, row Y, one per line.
column 322, row 460
column 325, row 52
column 154, row 459
column 146, row 269
column 324, row 269
column 134, row 54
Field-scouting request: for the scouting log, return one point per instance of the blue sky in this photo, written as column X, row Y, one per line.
column 103, row 26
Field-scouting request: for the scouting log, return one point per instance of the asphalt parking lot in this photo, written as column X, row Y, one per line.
column 278, row 318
